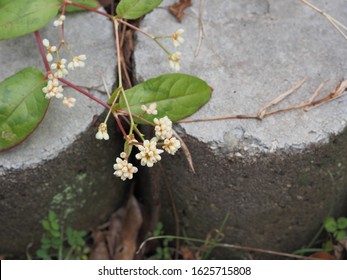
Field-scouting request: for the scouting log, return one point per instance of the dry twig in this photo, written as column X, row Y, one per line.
column 341, row 28
column 337, row 92
column 201, row 27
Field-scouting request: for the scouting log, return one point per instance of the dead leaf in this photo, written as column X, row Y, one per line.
column 99, row 250
column 117, row 239
column 177, row 9
column 113, row 237
column 126, row 247
column 188, row 254
column 340, row 249
column 323, row 256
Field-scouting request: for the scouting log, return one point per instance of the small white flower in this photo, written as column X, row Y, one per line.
column 77, row 61
column 69, row 101
column 174, row 61
column 149, row 154
column 102, row 132
column 163, row 128
column 53, row 89
column 172, row 145
column 123, row 169
column 59, row 21
column 49, row 48
column 151, row 110
column 176, row 37
column 61, row 68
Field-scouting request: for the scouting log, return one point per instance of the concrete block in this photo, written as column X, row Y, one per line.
column 277, row 178
column 61, row 166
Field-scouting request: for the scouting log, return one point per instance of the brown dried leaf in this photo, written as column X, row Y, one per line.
column 128, row 47
column 126, row 247
column 340, row 249
column 113, row 236
column 117, row 239
column 99, row 250
column 177, row 9
column 323, row 256
column 188, row 254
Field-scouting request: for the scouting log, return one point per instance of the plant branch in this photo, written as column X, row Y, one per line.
column 106, row 106
column 88, row 8
column 312, row 103
column 42, row 50
column 338, row 25
column 146, row 34
column 225, row 245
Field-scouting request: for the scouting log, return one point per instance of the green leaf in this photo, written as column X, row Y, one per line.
column 328, row 246
column 134, row 9
column 46, row 225
column 177, row 96
column 330, row 224
column 71, row 238
column 21, row 17
column 22, row 106
column 339, row 235
column 342, row 223
column 51, row 216
column 89, row 3
column 55, row 225
column 55, row 233
column 45, row 240
column 43, row 254
column 56, row 243
column 114, row 95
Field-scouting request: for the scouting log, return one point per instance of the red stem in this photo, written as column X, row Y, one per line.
column 106, row 106
column 42, row 50
column 88, row 8
column 120, row 125
column 134, row 27
column 85, row 93
column 62, row 27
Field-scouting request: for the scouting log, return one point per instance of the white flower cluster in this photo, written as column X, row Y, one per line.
column 59, row 21
column 174, row 59
column 123, row 168
column 149, row 153
column 176, row 37
column 102, row 132
column 53, row 89
column 151, row 109
column 163, row 128
column 59, row 69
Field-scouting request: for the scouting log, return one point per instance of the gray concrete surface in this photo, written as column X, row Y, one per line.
column 61, row 166
column 277, row 178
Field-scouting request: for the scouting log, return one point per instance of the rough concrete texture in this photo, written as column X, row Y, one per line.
column 61, row 166
column 277, row 178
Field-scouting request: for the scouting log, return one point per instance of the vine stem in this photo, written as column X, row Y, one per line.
column 63, row 25
column 85, row 93
column 116, row 31
column 146, row 34
column 224, row 245
column 88, row 8
column 42, row 50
